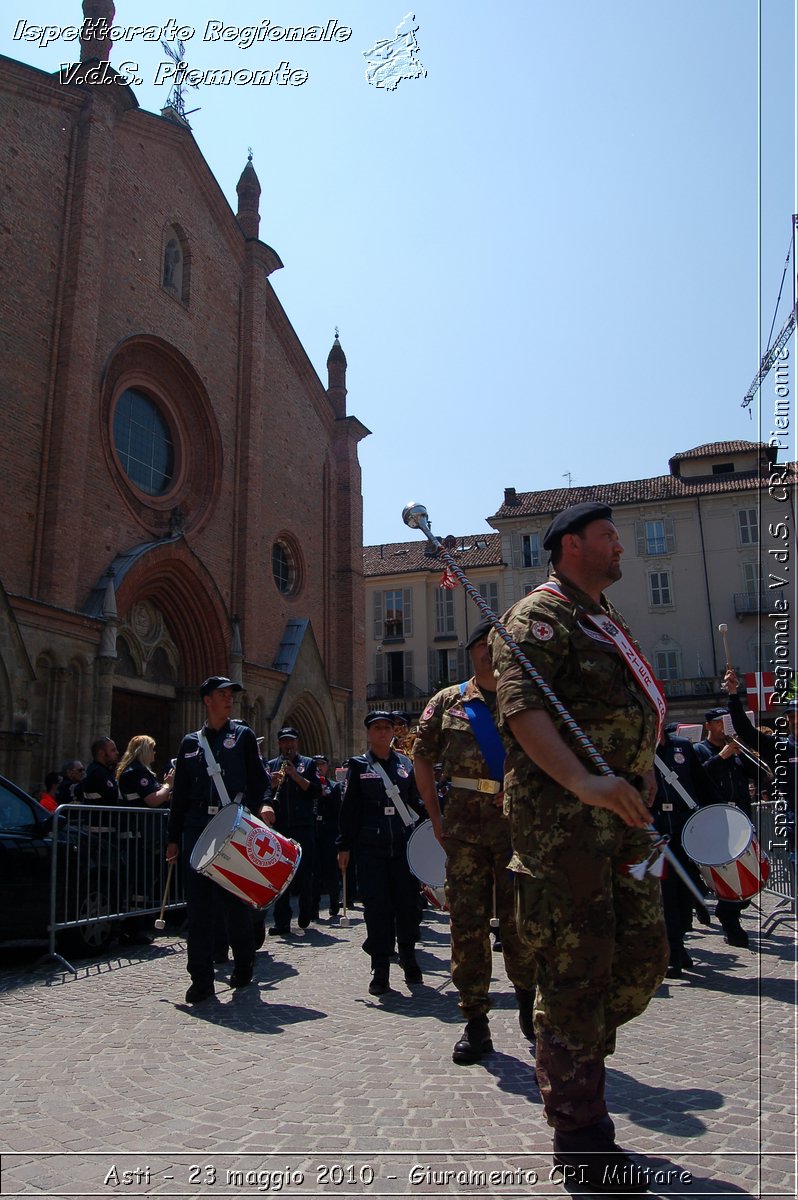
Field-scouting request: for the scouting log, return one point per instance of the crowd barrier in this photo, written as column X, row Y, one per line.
column 108, row 867
column 780, row 849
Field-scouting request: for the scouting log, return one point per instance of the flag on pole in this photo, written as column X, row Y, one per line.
column 761, row 688
column 448, row 579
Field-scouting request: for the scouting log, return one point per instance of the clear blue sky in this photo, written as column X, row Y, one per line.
column 555, row 253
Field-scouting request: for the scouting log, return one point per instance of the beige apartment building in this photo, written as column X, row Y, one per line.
column 712, row 542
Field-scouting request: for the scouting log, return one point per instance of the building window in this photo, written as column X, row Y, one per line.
column 655, row 537
column 143, row 443
column 393, row 614
column 667, row 665
column 659, row 584
column 284, row 569
column 490, row 594
column 530, row 550
column 748, row 525
column 444, row 610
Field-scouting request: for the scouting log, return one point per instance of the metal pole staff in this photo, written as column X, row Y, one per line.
column 417, row 517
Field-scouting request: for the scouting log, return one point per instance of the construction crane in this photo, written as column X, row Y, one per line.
column 784, row 335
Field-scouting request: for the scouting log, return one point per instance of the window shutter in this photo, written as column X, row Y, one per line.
column 379, row 675
column 462, row 665
column 408, row 665
column 378, row 625
column 640, row 538
column 407, row 604
column 515, row 547
column 670, row 536
column 432, row 670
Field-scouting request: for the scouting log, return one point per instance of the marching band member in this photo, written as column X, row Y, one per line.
column 296, row 789
column 457, row 727
column 596, row 930
column 378, row 812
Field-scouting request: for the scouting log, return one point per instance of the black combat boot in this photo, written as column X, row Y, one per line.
column 526, row 1005
column 475, row 1042
column 590, row 1160
column 409, row 964
column 380, row 978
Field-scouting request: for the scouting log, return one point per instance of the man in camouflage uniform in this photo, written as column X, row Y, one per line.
column 597, row 931
column 476, row 837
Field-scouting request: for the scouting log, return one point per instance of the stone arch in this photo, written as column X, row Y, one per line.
column 171, row 578
column 307, row 716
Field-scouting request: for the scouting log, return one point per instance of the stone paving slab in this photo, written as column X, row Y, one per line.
column 307, row 1086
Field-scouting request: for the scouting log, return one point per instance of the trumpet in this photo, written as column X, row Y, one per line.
column 752, row 755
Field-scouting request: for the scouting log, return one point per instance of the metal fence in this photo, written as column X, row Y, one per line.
column 779, row 844
column 108, row 867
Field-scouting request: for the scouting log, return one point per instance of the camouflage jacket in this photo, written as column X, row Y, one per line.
column 586, row 673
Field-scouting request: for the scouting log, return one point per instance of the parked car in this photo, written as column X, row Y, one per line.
column 90, row 869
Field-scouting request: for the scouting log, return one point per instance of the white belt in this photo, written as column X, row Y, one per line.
column 477, row 785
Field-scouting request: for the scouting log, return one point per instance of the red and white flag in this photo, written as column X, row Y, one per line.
column 761, row 688
column 448, row 579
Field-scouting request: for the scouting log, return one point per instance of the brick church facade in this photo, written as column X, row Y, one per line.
column 182, row 492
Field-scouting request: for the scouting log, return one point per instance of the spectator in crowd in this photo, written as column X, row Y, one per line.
column 326, row 878
column 72, row 774
column 137, row 780
column 99, row 784
column 379, row 808
column 47, row 792
column 295, row 790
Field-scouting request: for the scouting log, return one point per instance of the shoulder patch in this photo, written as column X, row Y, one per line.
column 428, row 711
column 542, row 631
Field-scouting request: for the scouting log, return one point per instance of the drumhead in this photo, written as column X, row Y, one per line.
column 716, row 834
column 215, row 835
column 426, row 857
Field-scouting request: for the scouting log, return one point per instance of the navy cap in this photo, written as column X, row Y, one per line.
column 791, row 706
column 478, row 633
column 288, row 731
column 377, row 714
column 398, row 715
column 214, row 682
column 320, row 758
column 573, row 520
column 715, row 714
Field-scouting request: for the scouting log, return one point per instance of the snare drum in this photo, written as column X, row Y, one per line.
column 426, row 857
column 722, row 843
column 436, row 897
column 249, row 859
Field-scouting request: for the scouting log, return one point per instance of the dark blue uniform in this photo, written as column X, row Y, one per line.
column 370, row 824
column 326, row 879
column 295, row 818
column 195, row 802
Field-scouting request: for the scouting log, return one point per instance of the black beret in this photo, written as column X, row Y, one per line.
column 573, row 519
column 214, row 682
column 288, row 731
column 478, row 633
column 378, row 714
column 715, row 714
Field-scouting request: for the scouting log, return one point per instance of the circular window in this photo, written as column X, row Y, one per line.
column 143, row 443
column 283, row 568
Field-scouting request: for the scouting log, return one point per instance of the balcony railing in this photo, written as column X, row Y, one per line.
column 753, row 603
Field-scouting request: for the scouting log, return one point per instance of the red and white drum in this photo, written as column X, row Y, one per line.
column 722, row 843
column 436, row 897
column 248, row 858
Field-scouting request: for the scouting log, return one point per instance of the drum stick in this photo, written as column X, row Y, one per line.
column 160, row 923
column 343, row 922
column 416, row 517
column 723, row 629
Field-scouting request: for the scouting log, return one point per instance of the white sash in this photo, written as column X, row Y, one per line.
column 214, row 770
column 408, row 817
column 673, row 779
column 632, row 657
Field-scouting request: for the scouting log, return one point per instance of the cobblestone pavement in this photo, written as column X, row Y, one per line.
column 304, row 1084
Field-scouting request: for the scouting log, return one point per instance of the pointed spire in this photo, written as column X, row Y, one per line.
column 336, row 377
column 248, row 189
column 95, row 36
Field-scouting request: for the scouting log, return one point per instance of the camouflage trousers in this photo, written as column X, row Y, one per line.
column 473, row 868
column 598, row 936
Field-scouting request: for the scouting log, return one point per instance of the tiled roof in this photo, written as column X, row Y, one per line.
column 638, row 491
column 709, row 449
column 398, row 558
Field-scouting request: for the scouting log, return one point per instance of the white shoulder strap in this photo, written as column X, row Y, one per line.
column 214, row 770
column 408, row 817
